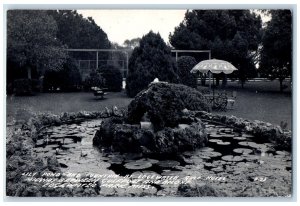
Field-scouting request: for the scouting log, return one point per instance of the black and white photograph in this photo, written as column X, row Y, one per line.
column 158, row 103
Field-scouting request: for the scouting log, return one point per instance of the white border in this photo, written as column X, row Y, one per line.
column 93, row 4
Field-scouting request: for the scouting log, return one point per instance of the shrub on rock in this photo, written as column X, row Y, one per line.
column 164, row 104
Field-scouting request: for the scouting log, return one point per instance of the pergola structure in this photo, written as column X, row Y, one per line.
column 126, row 52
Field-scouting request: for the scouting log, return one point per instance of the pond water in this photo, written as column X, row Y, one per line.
column 238, row 157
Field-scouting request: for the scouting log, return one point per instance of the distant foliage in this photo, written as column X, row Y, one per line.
column 151, row 59
column 231, row 35
column 276, row 53
column 67, row 79
column 185, row 64
column 23, row 87
column 113, row 77
column 94, row 80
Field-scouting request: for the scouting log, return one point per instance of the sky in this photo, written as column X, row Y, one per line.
column 120, row 25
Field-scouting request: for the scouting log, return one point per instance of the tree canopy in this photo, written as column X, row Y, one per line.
column 32, row 41
column 276, row 53
column 151, row 59
column 185, row 64
column 78, row 32
column 232, row 35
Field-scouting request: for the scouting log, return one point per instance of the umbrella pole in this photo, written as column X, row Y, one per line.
column 213, row 91
column 209, row 76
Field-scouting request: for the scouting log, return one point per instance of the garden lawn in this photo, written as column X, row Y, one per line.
column 257, row 101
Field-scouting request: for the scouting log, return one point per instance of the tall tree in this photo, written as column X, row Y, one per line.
column 78, row 32
column 152, row 59
column 232, row 35
column 276, row 53
column 32, row 41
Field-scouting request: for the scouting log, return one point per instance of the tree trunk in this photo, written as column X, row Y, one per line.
column 281, row 86
column 203, row 80
column 224, row 82
column 217, row 81
column 28, row 72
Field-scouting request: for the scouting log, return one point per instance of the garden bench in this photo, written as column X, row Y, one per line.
column 99, row 92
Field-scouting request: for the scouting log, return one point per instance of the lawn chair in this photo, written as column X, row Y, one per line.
column 231, row 100
column 220, row 102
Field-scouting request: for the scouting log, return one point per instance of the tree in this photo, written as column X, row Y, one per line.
column 80, row 33
column 232, row 35
column 185, row 64
column 66, row 79
column 276, row 53
column 32, row 41
column 113, row 77
column 152, row 59
column 132, row 43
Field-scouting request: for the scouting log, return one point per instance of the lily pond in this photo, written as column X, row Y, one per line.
column 232, row 162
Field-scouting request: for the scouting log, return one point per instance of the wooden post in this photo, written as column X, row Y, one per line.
column 126, row 62
column 97, row 60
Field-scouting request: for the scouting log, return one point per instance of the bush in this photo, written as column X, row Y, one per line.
column 95, row 79
column 185, row 64
column 67, row 79
column 113, row 77
column 23, row 86
column 152, row 59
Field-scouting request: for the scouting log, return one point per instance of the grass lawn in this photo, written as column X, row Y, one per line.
column 262, row 101
column 258, row 100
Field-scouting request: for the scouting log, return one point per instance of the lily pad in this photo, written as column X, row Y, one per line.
column 65, row 140
column 206, row 149
column 189, row 153
column 242, row 151
column 152, row 161
column 219, row 162
column 283, row 153
column 217, row 169
column 68, row 146
column 116, row 160
column 214, row 140
column 251, row 157
column 228, row 135
column 247, row 135
column 216, row 135
column 248, row 144
column 232, row 158
column 223, row 143
column 212, row 154
column 240, row 138
column 137, row 165
column 168, row 163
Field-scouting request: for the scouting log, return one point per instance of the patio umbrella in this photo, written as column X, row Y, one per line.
column 215, row 66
